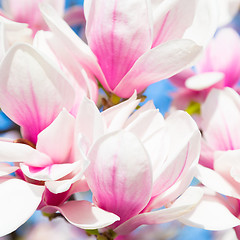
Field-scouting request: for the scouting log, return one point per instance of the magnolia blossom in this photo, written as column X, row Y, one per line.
column 218, row 68
column 125, row 54
column 27, row 11
column 138, row 163
column 220, row 156
column 48, row 165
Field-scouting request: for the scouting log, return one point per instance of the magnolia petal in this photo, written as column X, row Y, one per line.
column 121, row 111
column 216, row 182
column 227, row 164
column 56, row 140
column 84, row 83
column 89, row 122
column 61, row 186
column 184, row 204
column 182, row 151
column 3, row 41
column 18, row 202
column 116, row 36
column 65, row 184
column 25, row 11
column 31, row 88
column 58, row 5
column 207, row 155
column 146, row 124
column 84, row 214
column 221, row 117
column 171, row 19
column 76, row 46
column 205, row 22
column 48, row 173
column 212, row 213
column 205, row 80
column 173, row 192
column 117, row 116
column 14, row 32
column 17, row 152
column 158, row 63
column 180, row 78
column 149, row 105
column 227, row 10
column 227, row 44
column 119, row 163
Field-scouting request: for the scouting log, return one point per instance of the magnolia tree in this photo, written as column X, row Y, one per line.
column 82, row 129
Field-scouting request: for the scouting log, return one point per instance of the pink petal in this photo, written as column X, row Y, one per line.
column 205, row 23
column 32, row 91
column 213, row 180
column 78, row 168
column 227, row 11
column 227, row 164
column 212, row 213
column 18, row 202
column 146, row 124
column 75, row 184
column 76, row 46
column 119, row 163
column 171, row 19
column 204, row 81
column 89, row 122
column 221, row 117
column 180, row 146
column 84, row 214
column 84, row 83
column 206, row 156
column 180, row 78
column 158, row 63
column 222, row 55
column 116, row 116
column 14, row 32
column 117, row 37
column 3, row 41
column 149, row 105
column 184, row 204
column 58, row 5
column 48, row 173
column 17, row 152
column 173, row 192
column 25, row 12
column 56, row 140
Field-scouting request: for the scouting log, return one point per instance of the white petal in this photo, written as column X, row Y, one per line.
column 211, row 213
column 85, row 215
column 18, row 202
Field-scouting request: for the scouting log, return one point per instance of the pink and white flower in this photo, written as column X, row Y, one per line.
column 125, row 54
column 27, row 11
column 218, row 68
column 220, row 159
column 49, row 168
column 139, row 163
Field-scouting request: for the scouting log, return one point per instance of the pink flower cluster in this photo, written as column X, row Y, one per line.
column 137, row 164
